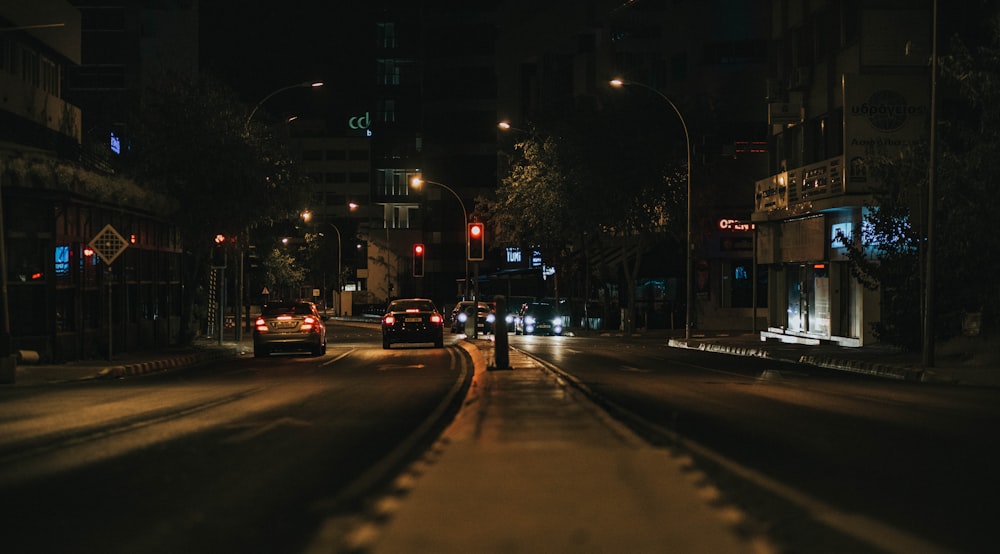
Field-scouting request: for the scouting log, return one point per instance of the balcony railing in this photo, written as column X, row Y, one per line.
column 793, row 192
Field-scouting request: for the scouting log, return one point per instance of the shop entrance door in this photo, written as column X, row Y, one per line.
column 809, row 299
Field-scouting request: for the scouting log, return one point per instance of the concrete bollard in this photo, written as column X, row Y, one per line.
column 501, row 354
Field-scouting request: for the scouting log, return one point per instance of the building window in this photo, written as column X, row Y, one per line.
column 398, row 216
column 394, row 182
column 387, row 110
column 737, row 284
column 386, row 34
column 388, row 71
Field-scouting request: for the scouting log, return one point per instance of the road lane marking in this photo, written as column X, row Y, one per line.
column 338, row 358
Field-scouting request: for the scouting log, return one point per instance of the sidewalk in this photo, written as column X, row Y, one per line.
column 129, row 363
column 531, row 465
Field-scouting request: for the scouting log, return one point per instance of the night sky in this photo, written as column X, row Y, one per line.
column 257, row 47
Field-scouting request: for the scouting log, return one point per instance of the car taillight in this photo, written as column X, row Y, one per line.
column 389, row 319
column 260, row 324
column 307, row 323
column 436, row 319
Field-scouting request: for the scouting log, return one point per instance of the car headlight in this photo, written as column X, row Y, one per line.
column 509, row 319
column 491, row 318
column 529, row 319
column 462, row 317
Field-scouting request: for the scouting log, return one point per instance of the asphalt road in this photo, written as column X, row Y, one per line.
column 246, row 455
column 825, row 461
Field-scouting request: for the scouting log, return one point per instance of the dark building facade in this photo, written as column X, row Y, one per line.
column 837, row 68
column 89, row 266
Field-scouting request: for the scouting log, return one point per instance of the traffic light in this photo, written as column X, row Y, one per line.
column 219, row 251
column 477, row 240
column 418, row 260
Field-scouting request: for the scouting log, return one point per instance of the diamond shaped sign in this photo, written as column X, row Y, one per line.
column 108, row 244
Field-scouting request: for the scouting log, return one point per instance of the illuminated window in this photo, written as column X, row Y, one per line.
column 387, row 109
column 386, row 34
column 62, row 260
column 388, row 72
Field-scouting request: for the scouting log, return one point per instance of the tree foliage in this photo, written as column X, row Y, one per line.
column 591, row 192
column 283, row 272
column 193, row 142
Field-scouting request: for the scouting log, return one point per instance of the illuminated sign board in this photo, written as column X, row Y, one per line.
column 361, row 122
column 735, row 225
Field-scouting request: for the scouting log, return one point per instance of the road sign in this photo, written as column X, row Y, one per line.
column 108, row 244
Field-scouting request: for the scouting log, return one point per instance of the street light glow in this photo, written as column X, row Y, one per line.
column 618, row 83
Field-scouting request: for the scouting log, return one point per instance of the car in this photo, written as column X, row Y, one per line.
column 538, row 318
column 463, row 310
column 289, row 326
column 412, row 320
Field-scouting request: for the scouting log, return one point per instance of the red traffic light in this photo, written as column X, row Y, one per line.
column 476, row 243
column 418, row 260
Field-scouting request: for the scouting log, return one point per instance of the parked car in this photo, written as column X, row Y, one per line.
column 538, row 318
column 289, row 326
column 463, row 311
column 412, row 320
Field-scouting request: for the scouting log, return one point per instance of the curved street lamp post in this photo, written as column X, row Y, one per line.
column 618, row 83
column 246, row 130
column 415, row 183
column 307, row 216
column 306, row 84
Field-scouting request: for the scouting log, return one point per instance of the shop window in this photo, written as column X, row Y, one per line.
column 738, row 284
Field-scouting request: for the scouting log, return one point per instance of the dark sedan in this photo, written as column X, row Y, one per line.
column 412, row 320
column 538, row 318
column 289, row 326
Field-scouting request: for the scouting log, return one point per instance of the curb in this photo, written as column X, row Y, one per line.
column 854, row 366
column 722, row 348
column 866, row 368
column 153, row 366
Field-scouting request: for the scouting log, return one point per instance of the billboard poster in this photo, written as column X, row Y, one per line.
column 883, row 115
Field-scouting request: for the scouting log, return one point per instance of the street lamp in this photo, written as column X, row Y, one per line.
column 506, row 126
column 618, row 83
column 246, row 131
column 316, row 84
column 307, row 216
column 415, row 183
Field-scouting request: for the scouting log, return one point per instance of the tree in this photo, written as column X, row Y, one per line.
column 283, row 273
column 589, row 192
column 194, row 143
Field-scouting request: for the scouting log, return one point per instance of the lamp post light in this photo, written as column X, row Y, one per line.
column 415, row 183
column 306, row 84
column 618, row 83
column 506, row 126
column 246, row 131
column 307, row 216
